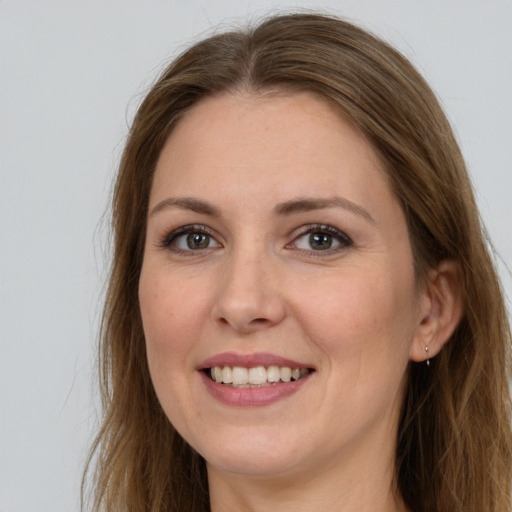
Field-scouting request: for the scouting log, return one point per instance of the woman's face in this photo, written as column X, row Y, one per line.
column 275, row 250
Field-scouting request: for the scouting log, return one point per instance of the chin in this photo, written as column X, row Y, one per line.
column 261, row 466
column 258, row 456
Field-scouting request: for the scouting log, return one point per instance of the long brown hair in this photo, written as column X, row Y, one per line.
column 454, row 440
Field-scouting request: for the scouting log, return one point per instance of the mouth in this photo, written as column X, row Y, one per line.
column 257, row 379
column 241, row 377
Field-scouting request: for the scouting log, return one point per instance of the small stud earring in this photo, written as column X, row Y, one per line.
column 428, row 358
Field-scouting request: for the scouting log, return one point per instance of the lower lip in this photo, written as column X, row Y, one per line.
column 252, row 397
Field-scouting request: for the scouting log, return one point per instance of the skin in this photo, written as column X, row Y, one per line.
column 352, row 312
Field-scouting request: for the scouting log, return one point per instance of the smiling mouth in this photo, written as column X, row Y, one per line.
column 255, row 377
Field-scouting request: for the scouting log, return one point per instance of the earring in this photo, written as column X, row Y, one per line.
column 428, row 358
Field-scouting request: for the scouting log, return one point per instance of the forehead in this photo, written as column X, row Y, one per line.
column 273, row 146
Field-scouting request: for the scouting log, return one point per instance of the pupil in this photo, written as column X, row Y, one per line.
column 197, row 241
column 320, row 241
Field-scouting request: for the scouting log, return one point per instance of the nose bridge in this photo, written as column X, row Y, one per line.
column 248, row 297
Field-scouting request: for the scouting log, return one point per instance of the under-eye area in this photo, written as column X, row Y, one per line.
column 255, row 377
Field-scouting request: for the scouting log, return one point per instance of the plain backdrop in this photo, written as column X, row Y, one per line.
column 72, row 74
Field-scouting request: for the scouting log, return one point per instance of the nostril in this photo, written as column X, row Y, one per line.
column 259, row 320
column 243, row 325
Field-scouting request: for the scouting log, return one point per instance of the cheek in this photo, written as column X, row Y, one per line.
column 170, row 316
column 362, row 316
column 364, row 334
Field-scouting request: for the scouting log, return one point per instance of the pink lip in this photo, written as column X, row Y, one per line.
column 250, row 361
column 249, row 397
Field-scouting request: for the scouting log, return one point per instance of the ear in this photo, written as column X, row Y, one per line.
column 440, row 311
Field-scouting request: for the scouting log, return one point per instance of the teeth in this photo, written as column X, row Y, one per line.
column 217, row 374
column 273, row 374
column 226, row 374
column 240, row 377
column 286, row 373
column 257, row 375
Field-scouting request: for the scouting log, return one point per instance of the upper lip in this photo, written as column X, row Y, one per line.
column 250, row 361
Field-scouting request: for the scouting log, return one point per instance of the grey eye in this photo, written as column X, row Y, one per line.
column 317, row 241
column 318, row 238
column 320, row 241
column 191, row 239
column 197, row 241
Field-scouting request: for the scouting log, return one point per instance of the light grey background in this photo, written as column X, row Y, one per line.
column 71, row 75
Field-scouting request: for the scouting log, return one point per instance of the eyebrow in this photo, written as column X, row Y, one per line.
column 299, row 205
column 187, row 203
column 306, row 204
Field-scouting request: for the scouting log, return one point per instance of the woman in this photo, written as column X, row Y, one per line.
column 302, row 312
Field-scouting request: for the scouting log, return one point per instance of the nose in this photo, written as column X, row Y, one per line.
column 249, row 296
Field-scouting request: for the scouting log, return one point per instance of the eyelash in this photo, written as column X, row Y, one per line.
column 171, row 238
column 343, row 240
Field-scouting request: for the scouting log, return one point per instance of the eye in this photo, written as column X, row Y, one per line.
column 190, row 239
column 320, row 238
